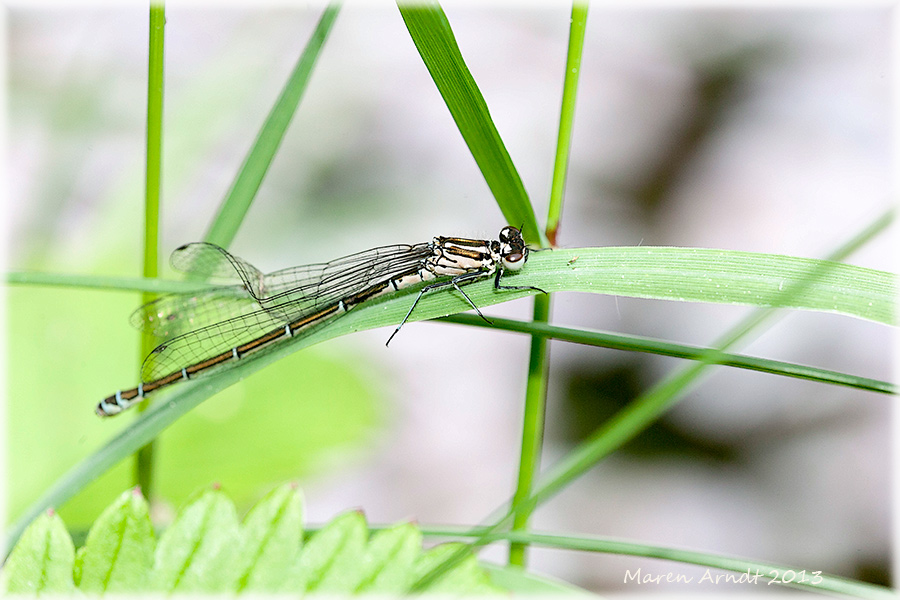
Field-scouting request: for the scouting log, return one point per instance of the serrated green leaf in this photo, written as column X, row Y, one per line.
column 118, row 552
column 42, row 560
column 465, row 577
column 272, row 535
column 389, row 558
column 197, row 553
column 78, row 568
column 331, row 561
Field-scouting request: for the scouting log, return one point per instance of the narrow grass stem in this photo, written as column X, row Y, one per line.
column 538, row 370
column 566, row 117
column 533, row 423
column 143, row 467
column 758, row 572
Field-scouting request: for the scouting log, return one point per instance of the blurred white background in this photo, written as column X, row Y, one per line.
column 747, row 129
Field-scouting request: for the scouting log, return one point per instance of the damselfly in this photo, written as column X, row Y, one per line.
column 215, row 328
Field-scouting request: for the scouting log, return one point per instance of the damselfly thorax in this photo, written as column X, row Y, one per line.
column 213, row 329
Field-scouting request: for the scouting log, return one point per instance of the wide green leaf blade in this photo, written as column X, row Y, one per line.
column 430, row 31
column 661, row 273
column 720, row 276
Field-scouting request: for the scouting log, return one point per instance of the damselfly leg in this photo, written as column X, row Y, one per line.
column 455, row 283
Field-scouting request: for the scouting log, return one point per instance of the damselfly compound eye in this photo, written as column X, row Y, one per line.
column 508, row 234
column 514, row 261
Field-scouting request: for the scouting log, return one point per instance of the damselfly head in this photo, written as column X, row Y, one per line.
column 513, row 251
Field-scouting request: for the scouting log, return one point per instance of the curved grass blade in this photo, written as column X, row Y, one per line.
column 718, row 276
column 103, row 282
column 682, row 274
column 819, row 583
column 638, row 343
column 430, row 31
column 246, row 184
column 868, row 279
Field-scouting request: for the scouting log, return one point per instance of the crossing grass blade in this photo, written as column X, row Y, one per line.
column 250, row 176
column 755, row 572
column 431, row 32
column 661, row 273
column 636, row 343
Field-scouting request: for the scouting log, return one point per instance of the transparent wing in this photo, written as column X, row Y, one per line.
column 204, row 261
column 207, row 342
column 298, row 291
column 324, row 282
column 175, row 314
column 206, row 324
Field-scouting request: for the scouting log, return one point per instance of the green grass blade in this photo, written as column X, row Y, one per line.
column 719, row 276
column 430, row 31
column 764, row 571
column 538, row 364
column 581, row 336
column 532, row 422
column 577, row 27
column 233, row 210
column 827, row 583
column 102, row 282
column 143, row 467
column 868, row 292
column 824, row 279
column 682, row 274
column 155, row 79
column 648, row 345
